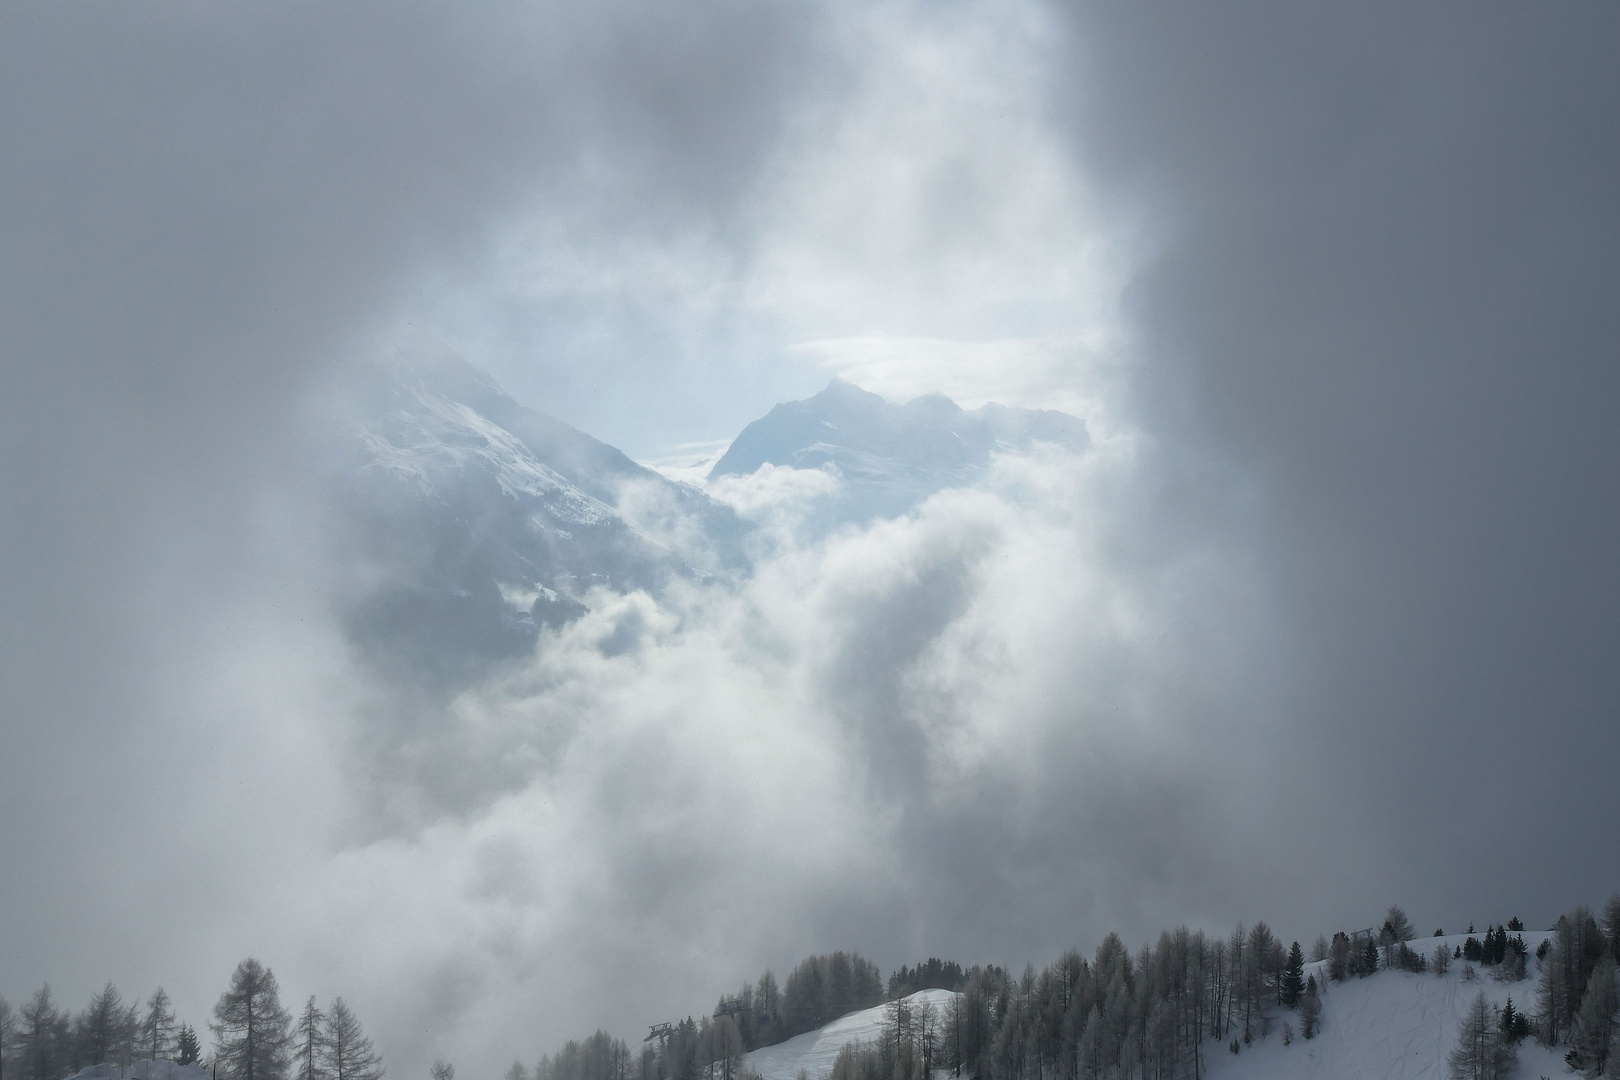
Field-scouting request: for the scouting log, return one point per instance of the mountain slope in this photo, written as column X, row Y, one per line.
column 1394, row 1025
column 815, row 1051
column 888, row 456
column 484, row 520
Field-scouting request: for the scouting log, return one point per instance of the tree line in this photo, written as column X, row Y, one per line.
column 1154, row 1013
column 254, row 1036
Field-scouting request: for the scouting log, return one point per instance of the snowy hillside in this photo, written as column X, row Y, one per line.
column 815, row 1051
column 1394, row 1025
column 484, row 519
column 889, row 457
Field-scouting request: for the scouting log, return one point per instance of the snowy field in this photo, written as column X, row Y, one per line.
column 1390, row 1026
column 815, row 1051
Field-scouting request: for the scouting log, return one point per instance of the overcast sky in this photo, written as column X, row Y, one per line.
column 1324, row 621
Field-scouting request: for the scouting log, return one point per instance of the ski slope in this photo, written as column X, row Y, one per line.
column 815, row 1051
column 1390, row 1026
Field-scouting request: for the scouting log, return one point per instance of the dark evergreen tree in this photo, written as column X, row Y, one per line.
column 1473, row 951
column 252, row 1032
column 186, row 1047
column 1369, row 953
column 1339, row 957
column 1514, row 1025
column 1293, row 977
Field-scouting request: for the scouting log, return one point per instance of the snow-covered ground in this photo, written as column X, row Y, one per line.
column 1390, row 1026
column 815, row 1051
column 161, row 1069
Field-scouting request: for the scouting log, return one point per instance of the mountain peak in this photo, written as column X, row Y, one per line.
column 889, row 456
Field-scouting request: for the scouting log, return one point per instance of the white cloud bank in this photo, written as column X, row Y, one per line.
column 866, row 744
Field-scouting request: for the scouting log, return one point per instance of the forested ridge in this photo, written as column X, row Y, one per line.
column 1155, row 1013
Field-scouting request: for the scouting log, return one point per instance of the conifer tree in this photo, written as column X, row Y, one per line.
column 252, row 1032
column 1339, row 957
column 309, row 1053
column 186, row 1047
column 1293, row 977
column 349, row 1053
column 1399, row 926
column 1481, row 1053
column 8, row 1031
column 1514, row 1025
column 157, row 1030
column 1370, row 958
column 98, row 1027
column 1595, row 1024
column 42, row 1036
column 1310, row 1009
column 443, row 1070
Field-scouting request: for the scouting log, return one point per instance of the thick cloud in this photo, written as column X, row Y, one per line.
column 1387, row 239
column 987, row 729
column 201, row 207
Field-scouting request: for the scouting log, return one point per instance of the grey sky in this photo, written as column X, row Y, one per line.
column 1327, row 621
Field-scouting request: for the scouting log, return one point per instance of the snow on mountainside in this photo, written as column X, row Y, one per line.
column 482, row 520
column 1394, row 1025
column 888, row 456
column 486, row 519
column 815, row 1051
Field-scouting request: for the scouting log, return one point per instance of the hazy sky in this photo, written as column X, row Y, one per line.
column 1326, row 619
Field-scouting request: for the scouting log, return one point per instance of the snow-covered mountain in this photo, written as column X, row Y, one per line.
column 889, row 457
column 484, row 519
column 481, row 520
